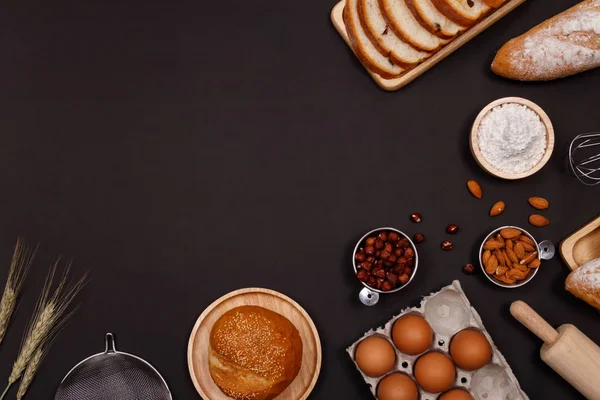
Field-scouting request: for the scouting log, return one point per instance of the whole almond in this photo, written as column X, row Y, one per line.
column 492, row 244
column 538, row 220
column 526, row 239
column 512, row 256
column 501, row 270
column 510, row 244
column 539, row 203
column 504, row 278
column 499, row 257
column 528, row 247
column 516, row 274
column 497, row 209
column 510, row 233
column 491, row 265
column 500, row 238
column 486, row 256
column 474, row 188
column 520, row 267
column 529, row 257
column 520, row 250
column 535, row 263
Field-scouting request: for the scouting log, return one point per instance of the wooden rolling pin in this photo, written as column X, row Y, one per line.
column 566, row 350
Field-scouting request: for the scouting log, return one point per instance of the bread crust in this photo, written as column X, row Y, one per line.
column 554, row 49
column 255, row 353
column 359, row 49
column 452, row 14
column 435, row 30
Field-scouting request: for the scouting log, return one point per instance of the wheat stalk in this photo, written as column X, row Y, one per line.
column 49, row 317
column 30, row 371
column 19, row 267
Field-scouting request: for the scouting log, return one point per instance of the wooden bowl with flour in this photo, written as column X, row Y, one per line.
column 507, row 140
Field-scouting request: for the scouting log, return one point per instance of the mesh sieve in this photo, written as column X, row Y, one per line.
column 113, row 375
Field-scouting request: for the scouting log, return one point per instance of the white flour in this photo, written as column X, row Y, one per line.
column 512, row 138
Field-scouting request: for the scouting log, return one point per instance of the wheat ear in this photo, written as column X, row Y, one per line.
column 49, row 317
column 17, row 272
column 30, row 371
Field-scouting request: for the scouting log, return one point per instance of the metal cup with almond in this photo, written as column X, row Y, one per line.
column 510, row 256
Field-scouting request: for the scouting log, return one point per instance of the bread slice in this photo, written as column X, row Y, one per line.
column 494, row 3
column 366, row 52
column 404, row 24
column 382, row 37
column 433, row 20
column 463, row 12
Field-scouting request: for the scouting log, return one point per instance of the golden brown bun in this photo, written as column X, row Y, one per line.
column 584, row 283
column 255, row 353
column 563, row 45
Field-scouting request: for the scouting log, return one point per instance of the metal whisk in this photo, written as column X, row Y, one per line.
column 584, row 158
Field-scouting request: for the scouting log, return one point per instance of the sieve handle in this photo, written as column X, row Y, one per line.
column 110, row 344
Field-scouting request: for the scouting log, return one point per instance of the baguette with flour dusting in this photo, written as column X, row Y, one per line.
column 564, row 45
column 584, row 283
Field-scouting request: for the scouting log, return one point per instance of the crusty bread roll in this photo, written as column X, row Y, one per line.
column 584, row 283
column 255, row 353
column 564, row 45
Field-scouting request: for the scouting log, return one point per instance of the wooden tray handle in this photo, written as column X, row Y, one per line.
column 533, row 321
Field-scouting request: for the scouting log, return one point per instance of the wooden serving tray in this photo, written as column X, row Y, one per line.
column 582, row 246
column 415, row 72
column 198, row 345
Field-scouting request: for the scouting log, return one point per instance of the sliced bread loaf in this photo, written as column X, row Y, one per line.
column 384, row 38
column 404, row 24
column 463, row 12
column 433, row 20
column 366, row 52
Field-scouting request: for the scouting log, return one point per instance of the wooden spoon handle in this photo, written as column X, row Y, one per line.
column 533, row 321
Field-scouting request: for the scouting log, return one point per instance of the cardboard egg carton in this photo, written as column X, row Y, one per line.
column 448, row 312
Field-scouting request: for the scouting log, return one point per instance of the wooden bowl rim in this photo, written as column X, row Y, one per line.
column 243, row 291
column 490, row 169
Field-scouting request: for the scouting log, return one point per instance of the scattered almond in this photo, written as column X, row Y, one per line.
column 538, row 220
column 510, row 233
column 474, row 188
column 497, row 209
column 539, row 203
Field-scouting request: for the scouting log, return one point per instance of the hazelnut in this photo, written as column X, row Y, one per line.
column 386, row 286
column 377, row 254
column 383, row 236
column 366, row 265
column 418, row 238
column 380, row 274
column 403, row 261
column 392, row 258
column 398, row 252
column 408, row 271
column 379, row 244
column 398, row 270
column 469, row 269
column 409, row 262
column 415, row 217
column 360, row 256
column 371, row 281
column 393, row 236
column 392, row 278
column 403, row 243
column 378, row 283
column 370, row 250
column 403, row 279
column 409, row 253
column 452, row 228
column 370, row 241
column 388, row 264
column 385, row 254
column 362, row 275
column 388, row 247
column 446, row 245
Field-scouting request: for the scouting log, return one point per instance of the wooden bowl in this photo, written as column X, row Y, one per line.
column 198, row 345
column 489, row 168
column 582, row 246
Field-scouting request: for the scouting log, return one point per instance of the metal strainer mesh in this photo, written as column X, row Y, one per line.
column 113, row 375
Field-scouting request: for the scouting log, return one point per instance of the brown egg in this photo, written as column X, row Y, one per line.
column 435, row 372
column 470, row 349
column 412, row 334
column 456, row 394
column 397, row 386
column 375, row 356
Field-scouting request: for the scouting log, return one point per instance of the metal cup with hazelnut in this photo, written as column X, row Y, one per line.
column 385, row 260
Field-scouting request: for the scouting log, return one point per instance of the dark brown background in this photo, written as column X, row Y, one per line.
column 183, row 149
